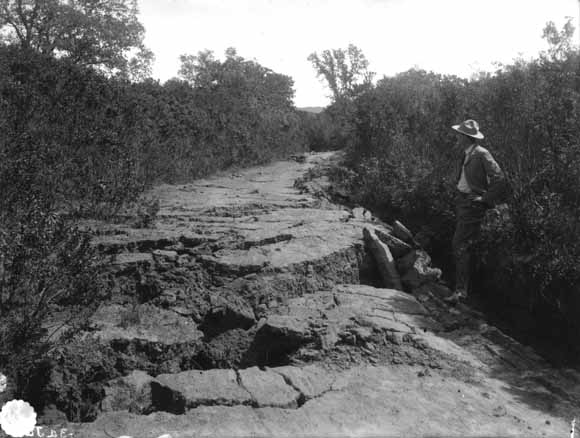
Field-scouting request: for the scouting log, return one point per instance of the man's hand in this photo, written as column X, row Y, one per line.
column 479, row 201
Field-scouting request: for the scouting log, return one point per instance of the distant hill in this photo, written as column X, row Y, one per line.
column 312, row 109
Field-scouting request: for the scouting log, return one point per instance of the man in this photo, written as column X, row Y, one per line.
column 480, row 185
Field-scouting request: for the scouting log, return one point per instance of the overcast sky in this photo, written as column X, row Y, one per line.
column 445, row 36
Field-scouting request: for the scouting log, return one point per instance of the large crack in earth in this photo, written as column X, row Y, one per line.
column 254, row 308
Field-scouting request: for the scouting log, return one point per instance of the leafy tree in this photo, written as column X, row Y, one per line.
column 560, row 41
column 345, row 71
column 199, row 70
column 97, row 33
column 235, row 73
column 139, row 66
column 247, row 102
column 347, row 75
column 249, row 105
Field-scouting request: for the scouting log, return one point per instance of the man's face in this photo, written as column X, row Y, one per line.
column 463, row 142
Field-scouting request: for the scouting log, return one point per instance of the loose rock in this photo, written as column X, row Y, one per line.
column 131, row 393
column 402, row 232
column 197, row 388
column 416, row 269
column 398, row 247
column 384, row 259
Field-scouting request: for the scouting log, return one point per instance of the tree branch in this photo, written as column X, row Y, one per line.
column 13, row 24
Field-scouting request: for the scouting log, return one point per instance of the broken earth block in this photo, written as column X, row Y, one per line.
column 384, row 258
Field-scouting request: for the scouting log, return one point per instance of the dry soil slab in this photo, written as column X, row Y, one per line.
column 362, row 401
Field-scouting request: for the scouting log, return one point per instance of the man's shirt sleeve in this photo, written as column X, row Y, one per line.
column 497, row 181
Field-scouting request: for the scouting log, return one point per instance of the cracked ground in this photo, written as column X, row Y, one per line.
column 252, row 307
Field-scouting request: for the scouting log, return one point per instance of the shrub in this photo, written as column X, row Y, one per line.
column 49, row 285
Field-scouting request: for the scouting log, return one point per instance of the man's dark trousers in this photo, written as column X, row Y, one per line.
column 470, row 216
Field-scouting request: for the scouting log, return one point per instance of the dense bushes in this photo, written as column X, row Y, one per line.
column 49, row 286
column 318, row 131
column 529, row 113
column 67, row 136
column 331, row 129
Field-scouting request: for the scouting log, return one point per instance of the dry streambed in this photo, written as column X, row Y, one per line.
column 253, row 307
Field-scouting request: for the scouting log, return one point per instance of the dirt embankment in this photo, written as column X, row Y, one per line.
column 252, row 307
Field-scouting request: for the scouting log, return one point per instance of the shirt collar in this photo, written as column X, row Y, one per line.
column 470, row 150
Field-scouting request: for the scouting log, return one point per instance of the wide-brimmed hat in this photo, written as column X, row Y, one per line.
column 469, row 128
